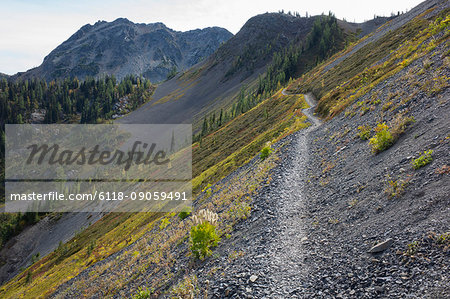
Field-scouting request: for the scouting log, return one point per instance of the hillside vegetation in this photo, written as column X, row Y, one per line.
column 385, row 106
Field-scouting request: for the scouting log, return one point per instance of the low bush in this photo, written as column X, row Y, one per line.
column 184, row 213
column 265, row 152
column 412, row 248
column 203, row 238
column 364, row 132
column 382, row 140
column 395, row 188
column 142, row 294
column 444, row 239
column 384, row 137
column 423, row 160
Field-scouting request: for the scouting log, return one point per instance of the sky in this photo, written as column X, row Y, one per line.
column 31, row 29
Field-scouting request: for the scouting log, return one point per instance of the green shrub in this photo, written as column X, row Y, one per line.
column 412, row 248
column 364, row 132
column 208, row 190
column 184, row 213
column 444, row 238
column 203, row 238
column 265, row 152
column 382, row 140
column 423, row 159
column 142, row 293
column 395, row 188
column 164, row 223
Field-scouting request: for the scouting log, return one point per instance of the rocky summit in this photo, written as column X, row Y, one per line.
column 122, row 47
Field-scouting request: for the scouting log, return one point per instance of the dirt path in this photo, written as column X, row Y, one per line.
column 309, row 112
column 286, row 258
column 274, row 238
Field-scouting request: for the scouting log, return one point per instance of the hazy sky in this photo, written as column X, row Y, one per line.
column 30, row 29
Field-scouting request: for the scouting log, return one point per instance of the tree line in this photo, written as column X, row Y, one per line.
column 90, row 101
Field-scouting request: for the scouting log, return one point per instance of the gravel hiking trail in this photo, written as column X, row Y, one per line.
column 273, row 239
column 286, row 258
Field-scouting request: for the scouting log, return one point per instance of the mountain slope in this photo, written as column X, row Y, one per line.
column 122, row 47
column 214, row 83
column 352, row 197
column 217, row 83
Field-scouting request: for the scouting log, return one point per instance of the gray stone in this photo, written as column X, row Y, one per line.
column 381, row 246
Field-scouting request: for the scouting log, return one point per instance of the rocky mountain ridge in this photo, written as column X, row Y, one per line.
column 122, row 47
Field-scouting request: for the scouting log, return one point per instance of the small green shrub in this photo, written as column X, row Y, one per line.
column 443, row 239
column 395, row 188
column 364, row 132
column 164, row 223
column 208, row 190
column 423, row 159
column 203, row 238
column 265, row 152
column 184, row 213
column 412, row 248
column 382, row 140
column 142, row 293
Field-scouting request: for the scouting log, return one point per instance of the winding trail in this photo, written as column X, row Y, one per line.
column 274, row 238
column 309, row 112
column 286, row 249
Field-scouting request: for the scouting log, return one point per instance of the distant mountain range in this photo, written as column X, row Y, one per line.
column 122, row 47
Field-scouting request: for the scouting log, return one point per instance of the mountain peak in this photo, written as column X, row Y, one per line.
column 122, row 20
column 122, row 47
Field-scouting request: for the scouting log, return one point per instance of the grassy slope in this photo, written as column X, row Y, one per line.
column 218, row 156
column 359, row 73
column 110, row 235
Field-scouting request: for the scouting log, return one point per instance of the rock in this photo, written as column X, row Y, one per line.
column 304, row 239
column 381, row 246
